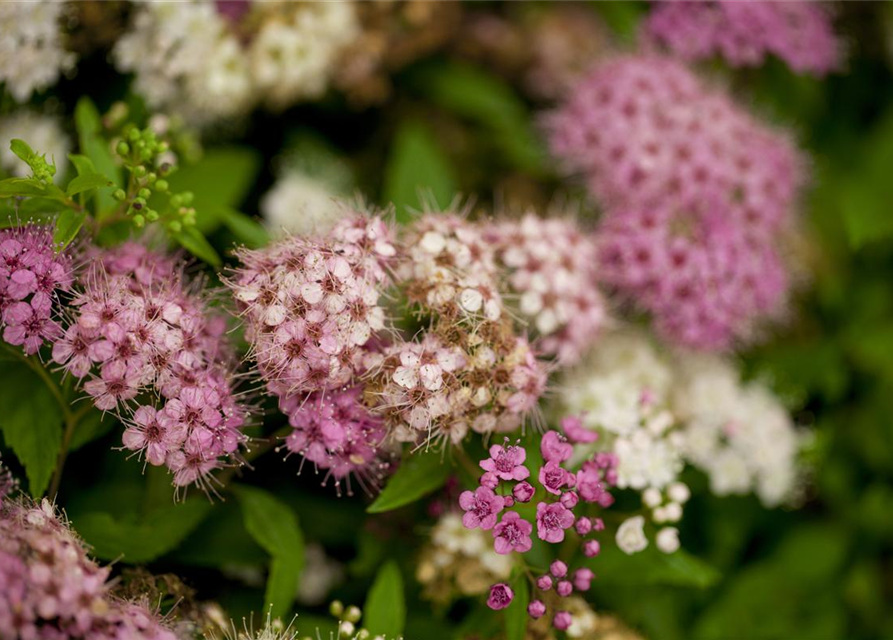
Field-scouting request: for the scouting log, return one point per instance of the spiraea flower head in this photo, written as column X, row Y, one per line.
column 50, row 588
column 144, row 345
column 745, row 33
column 553, row 271
column 32, row 275
column 696, row 194
column 32, row 50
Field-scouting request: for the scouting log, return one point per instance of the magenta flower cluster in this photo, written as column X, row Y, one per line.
column 145, row 346
column 32, row 275
column 337, row 433
column 311, row 304
column 50, row 589
column 505, row 484
column 553, row 272
column 744, row 33
column 696, row 195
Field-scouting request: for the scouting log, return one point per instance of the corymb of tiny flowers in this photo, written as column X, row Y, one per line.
column 500, row 504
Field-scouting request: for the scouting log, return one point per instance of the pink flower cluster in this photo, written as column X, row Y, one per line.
column 311, row 304
column 505, row 485
column 695, row 193
column 336, row 432
column 148, row 348
column 552, row 269
column 31, row 276
column 744, row 33
column 50, row 589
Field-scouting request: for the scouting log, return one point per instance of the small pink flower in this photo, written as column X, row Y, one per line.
column 591, row 548
column 512, row 534
column 481, row 508
column 551, row 521
column 523, row 491
column 552, row 477
column 598, row 524
column 501, row 596
column 575, row 431
column 536, row 609
column 562, row 620
column 506, row 462
column 558, row 569
column 544, row 583
column 583, row 579
column 564, row 588
column 583, row 526
column 555, row 448
column 489, row 480
column 569, row 499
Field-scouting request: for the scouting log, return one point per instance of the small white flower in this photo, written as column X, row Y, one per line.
column 631, row 535
column 651, row 497
column 667, row 539
column 679, row 492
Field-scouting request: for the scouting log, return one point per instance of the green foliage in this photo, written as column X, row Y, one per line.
column 652, row 567
column 516, row 614
column 274, row 526
column 417, row 169
column 195, row 243
column 31, row 422
column 95, row 147
column 385, row 610
column 418, row 475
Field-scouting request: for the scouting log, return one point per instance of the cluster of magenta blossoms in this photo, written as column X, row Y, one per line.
column 336, row 432
column 697, row 196
column 552, row 271
column 32, row 275
column 50, row 589
column 559, row 495
column 744, row 33
column 148, row 348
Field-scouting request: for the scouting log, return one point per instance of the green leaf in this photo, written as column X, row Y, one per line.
column 652, row 566
column 219, row 181
column 195, row 243
column 95, row 147
column 274, row 526
column 68, row 224
column 246, row 229
column 221, row 539
column 621, row 16
column 144, row 539
column 21, row 187
column 22, row 150
column 416, row 167
column 491, row 103
column 31, row 421
column 86, row 182
column 516, row 614
column 419, row 475
column 93, row 425
column 82, row 164
column 385, row 610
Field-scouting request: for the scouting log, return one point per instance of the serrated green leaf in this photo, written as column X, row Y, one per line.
column 246, row 229
column 385, row 610
column 417, row 167
column 31, row 422
column 21, row 187
column 68, row 224
column 150, row 537
column 419, row 475
column 86, row 182
column 652, row 567
column 274, row 526
column 94, row 146
column 219, row 181
column 195, row 243
column 516, row 614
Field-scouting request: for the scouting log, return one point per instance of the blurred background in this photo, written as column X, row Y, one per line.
column 450, row 95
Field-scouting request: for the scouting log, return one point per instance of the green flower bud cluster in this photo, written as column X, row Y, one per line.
column 348, row 619
column 148, row 197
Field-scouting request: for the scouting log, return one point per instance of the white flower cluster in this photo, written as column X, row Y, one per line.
column 189, row 60
column 301, row 204
column 657, row 412
column 740, row 435
column 43, row 133
column 32, row 52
